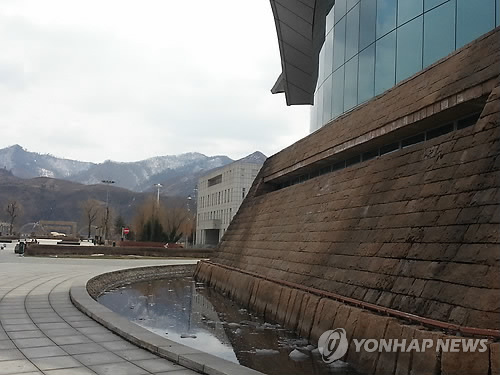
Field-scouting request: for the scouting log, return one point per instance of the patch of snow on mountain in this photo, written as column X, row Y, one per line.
column 42, row 172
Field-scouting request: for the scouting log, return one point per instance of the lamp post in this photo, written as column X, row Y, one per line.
column 106, row 222
column 192, row 219
column 158, row 186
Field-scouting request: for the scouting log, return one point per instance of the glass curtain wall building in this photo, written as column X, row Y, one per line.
column 372, row 45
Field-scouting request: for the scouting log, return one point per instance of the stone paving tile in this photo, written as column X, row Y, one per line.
column 91, row 330
column 19, row 327
column 10, row 354
column 6, row 344
column 157, row 365
column 103, row 337
column 44, row 326
column 82, row 348
column 26, row 334
column 32, row 342
column 122, row 368
column 12, row 316
column 85, row 324
column 16, row 321
column 43, row 351
column 60, row 332
column 77, row 318
column 16, row 367
column 72, row 371
column 118, row 345
column 53, row 363
column 98, row 358
column 49, row 319
column 135, row 354
column 67, row 340
column 179, row 372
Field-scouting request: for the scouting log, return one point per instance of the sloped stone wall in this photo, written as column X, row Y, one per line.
column 416, row 230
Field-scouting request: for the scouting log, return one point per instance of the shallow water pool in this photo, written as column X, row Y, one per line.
column 192, row 314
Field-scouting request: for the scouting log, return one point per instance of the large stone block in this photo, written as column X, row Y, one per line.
column 368, row 327
column 307, row 314
column 293, row 310
column 387, row 360
column 426, row 362
column 282, row 310
column 324, row 318
column 241, row 287
column 465, row 362
column 403, row 365
column 495, row 358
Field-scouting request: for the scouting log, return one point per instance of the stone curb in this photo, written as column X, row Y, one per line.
column 181, row 354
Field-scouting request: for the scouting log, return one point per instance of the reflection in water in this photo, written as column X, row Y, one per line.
column 186, row 312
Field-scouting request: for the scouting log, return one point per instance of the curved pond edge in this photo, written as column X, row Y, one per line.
column 83, row 291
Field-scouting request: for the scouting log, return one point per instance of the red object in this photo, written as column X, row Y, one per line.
column 126, row 231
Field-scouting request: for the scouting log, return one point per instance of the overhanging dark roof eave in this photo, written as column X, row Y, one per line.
column 300, row 25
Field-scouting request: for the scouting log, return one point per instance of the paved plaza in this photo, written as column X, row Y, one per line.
column 41, row 332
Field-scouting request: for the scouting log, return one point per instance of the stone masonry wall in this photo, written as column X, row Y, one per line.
column 416, row 230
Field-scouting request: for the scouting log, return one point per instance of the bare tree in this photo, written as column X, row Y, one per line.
column 13, row 209
column 176, row 223
column 105, row 218
column 90, row 208
column 161, row 222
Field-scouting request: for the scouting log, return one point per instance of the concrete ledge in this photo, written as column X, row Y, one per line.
column 71, row 250
column 181, row 354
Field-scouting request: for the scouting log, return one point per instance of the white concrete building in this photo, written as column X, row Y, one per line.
column 220, row 193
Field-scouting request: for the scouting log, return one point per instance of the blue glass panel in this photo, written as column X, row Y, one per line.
column 409, row 47
column 338, row 92
column 339, row 44
column 328, row 47
column 351, row 84
column 366, row 83
column 313, row 124
column 339, row 9
column 321, row 67
column 439, row 32
column 327, row 100
column 497, row 12
column 350, row 4
column 428, row 4
column 385, row 63
column 474, row 18
column 386, row 16
column 367, row 19
column 352, row 33
column 409, row 9
column 319, row 106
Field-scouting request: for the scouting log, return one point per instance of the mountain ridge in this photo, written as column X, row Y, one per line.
column 177, row 173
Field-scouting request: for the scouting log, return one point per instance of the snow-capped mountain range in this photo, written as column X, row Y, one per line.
column 177, row 173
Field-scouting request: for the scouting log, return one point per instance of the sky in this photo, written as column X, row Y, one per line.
column 126, row 80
